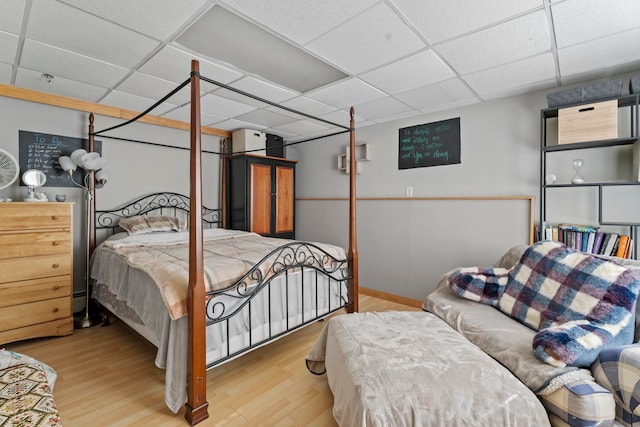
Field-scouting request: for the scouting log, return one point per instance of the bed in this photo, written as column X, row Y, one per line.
column 198, row 314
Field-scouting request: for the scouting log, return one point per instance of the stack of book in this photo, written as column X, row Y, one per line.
column 589, row 239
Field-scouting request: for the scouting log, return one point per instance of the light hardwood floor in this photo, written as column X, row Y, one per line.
column 107, row 377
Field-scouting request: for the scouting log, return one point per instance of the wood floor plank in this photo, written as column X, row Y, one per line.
column 107, row 377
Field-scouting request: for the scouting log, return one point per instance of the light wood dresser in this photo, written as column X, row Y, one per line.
column 36, row 265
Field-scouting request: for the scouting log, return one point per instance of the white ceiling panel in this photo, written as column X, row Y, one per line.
column 306, row 105
column 578, row 21
column 383, row 107
column 63, row 63
column 263, row 89
column 232, row 125
column 8, row 47
column 346, row 93
column 374, row 38
column 445, row 92
column 135, row 103
column 223, row 107
column 300, row 20
column 601, row 53
column 158, row 19
column 301, row 127
column 518, row 74
column 418, row 70
column 442, row 20
column 11, row 16
column 504, row 43
column 147, row 86
column 69, row 28
column 265, row 118
column 184, row 114
column 58, row 86
column 174, row 65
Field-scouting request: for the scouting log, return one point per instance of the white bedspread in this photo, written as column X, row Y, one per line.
column 412, row 369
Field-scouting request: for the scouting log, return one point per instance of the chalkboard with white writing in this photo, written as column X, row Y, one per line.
column 429, row 144
column 41, row 151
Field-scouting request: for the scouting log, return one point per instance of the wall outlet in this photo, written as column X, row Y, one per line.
column 408, row 191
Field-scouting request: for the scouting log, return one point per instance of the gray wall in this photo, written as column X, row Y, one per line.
column 404, row 245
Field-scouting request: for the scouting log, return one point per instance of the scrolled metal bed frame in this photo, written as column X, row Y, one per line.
column 203, row 307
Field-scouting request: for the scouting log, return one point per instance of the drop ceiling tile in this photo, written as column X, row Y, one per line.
column 183, row 114
column 307, row 105
column 382, row 107
column 158, row 19
column 536, row 69
column 134, row 103
column 174, row 65
column 418, row 70
column 346, row 93
column 374, row 38
column 446, row 92
column 263, row 89
column 507, row 42
column 442, row 20
column 5, row 73
column 608, row 51
column 265, row 118
column 33, row 80
column 596, row 19
column 68, row 28
column 300, row 20
column 449, row 105
column 233, row 125
column 11, row 16
column 223, row 107
column 62, row 63
column 343, row 118
column 150, row 87
column 400, row 116
column 8, row 47
column 508, row 92
column 301, row 127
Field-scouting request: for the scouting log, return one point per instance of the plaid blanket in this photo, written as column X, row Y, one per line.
column 579, row 303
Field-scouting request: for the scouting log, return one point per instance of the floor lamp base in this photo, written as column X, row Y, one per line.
column 83, row 322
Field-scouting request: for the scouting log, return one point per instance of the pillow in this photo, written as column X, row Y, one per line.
column 142, row 224
column 484, row 285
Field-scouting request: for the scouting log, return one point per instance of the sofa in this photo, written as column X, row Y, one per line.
column 604, row 392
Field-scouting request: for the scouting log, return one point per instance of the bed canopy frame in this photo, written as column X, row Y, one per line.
column 197, row 405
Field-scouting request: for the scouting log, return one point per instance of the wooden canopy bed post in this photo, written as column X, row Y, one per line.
column 353, row 240
column 196, row 407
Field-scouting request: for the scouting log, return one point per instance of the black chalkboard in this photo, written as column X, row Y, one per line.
column 429, row 144
column 41, row 151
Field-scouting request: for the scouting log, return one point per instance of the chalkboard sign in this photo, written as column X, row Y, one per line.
column 41, row 151
column 429, row 144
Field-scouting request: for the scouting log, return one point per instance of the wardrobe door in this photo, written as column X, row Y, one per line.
column 283, row 221
column 260, row 198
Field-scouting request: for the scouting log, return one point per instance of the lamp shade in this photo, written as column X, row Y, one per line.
column 103, row 175
column 76, row 156
column 68, row 165
column 92, row 161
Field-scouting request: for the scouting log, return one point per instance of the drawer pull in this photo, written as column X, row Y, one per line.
column 56, row 243
column 56, row 288
column 56, row 265
column 56, row 309
column 54, row 217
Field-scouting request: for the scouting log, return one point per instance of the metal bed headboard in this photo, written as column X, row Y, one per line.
column 165, row 203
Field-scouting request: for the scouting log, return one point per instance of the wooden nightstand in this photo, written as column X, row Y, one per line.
column 36, row 265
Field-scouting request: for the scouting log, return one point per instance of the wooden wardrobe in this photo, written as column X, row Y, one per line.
column 261, row 195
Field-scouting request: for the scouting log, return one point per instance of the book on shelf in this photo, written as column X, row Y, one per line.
column 597, row 242
column 623, row 246
column 611, row 244
column 591, row 239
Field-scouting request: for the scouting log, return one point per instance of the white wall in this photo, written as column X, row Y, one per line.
column 405, row 246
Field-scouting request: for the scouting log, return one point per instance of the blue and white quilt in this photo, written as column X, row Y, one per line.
column 578, row 303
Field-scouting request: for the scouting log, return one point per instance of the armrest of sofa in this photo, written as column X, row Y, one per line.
column 618, row 370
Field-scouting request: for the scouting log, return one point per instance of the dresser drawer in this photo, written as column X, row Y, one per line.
column 14, row 270
column 35, row 216
column 14, row 293
column 32, row 313
column 14, row 245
